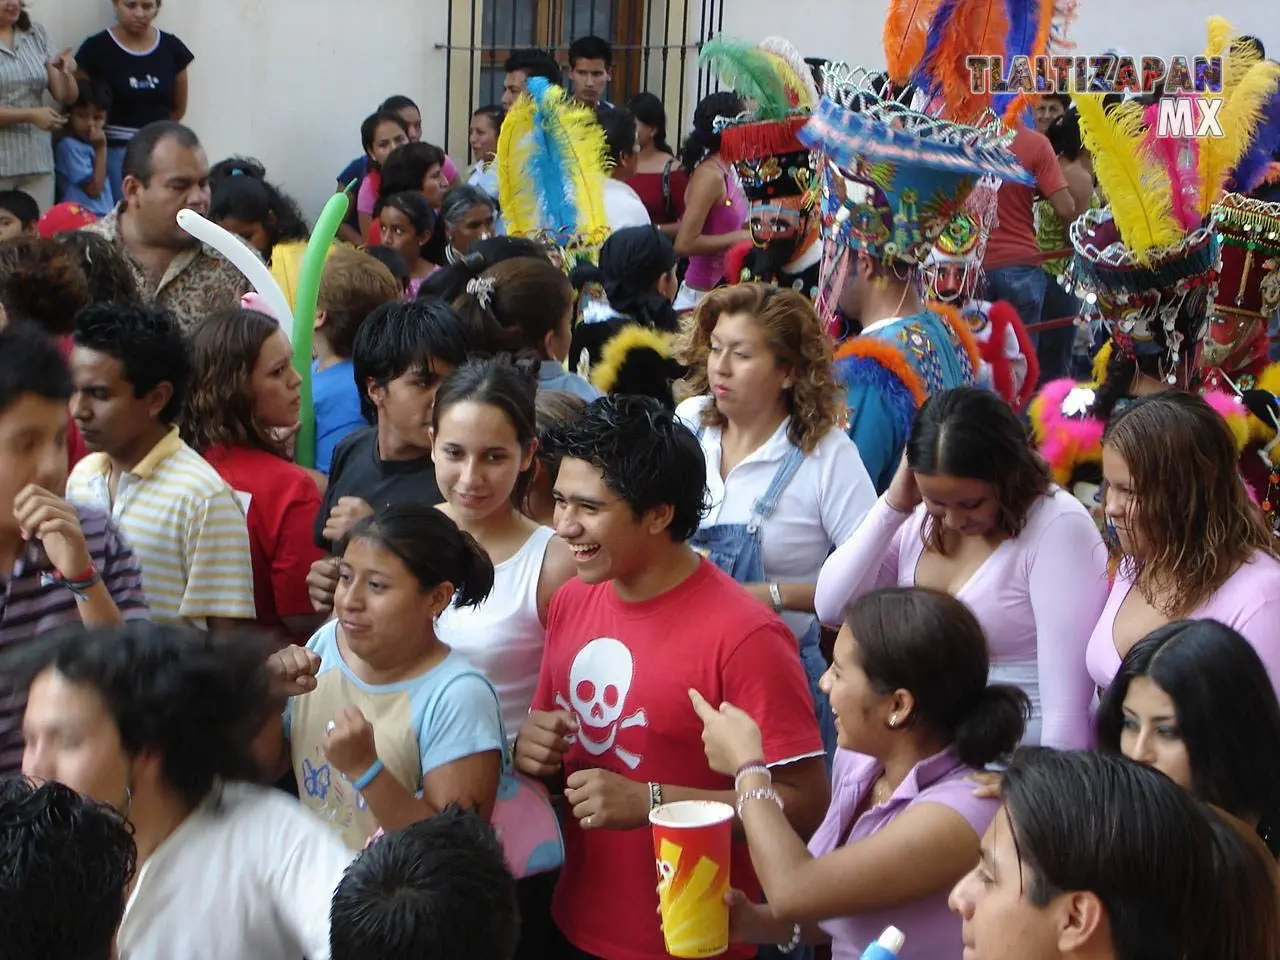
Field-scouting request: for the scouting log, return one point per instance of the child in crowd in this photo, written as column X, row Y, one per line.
column 244, row 203
column 407, row 225
column 391, row 259
column 80, row 162
column 381, row 133
column 414, row 168
column 352, row 286
column 19, row 214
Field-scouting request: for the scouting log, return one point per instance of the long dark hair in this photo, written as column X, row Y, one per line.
column 240, row 190
column 431, row 547
column 928, row 642
column 704, row 140
column 1210, row 672
column 648, row 109
column 972, row 433
column 508, row 386
column 219, row 409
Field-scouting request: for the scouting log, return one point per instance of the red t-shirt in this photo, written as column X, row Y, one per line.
column 1013, row 242
column 281, row 502
column 625, row 669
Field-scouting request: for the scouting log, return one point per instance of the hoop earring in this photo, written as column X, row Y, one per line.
column 128, row 802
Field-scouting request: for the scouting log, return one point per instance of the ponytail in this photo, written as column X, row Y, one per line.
column 993, row 727
column 704, row 139
column 475, row 572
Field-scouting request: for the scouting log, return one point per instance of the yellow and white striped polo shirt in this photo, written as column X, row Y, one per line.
column 186, row 527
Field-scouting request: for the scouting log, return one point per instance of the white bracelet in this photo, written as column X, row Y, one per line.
column 791, row 945
column 775, row 596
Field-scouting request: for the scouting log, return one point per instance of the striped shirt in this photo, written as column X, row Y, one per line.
column 187, row 527
column 24, row 148
column 29, row 608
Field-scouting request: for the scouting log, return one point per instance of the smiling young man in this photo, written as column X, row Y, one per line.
column 646, row 620
column 131, row 373
column 60, row 564
column 166, row 171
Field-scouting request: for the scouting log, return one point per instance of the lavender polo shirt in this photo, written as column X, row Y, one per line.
column 29, row 608
column 933, row 931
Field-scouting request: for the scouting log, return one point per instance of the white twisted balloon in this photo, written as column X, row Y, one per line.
column 246, row 260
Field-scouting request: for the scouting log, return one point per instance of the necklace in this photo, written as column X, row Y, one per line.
column 881, row 790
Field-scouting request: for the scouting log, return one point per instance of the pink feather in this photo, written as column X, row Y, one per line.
column 1180, row 157
column 1064, row 441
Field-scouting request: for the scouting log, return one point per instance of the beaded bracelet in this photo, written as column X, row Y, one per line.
column 758, row 793
column 750, row 769
column 791, row 945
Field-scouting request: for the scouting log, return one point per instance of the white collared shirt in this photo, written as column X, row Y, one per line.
column 819, row 509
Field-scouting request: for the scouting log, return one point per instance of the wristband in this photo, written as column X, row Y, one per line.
column 655, row 796
column 366, row 778
column 775, row 597
column 79, row 585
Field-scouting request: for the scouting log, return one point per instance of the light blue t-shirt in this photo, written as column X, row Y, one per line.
column 553, row 376
column 336, row 403
column 73, row 164
column 422, row 723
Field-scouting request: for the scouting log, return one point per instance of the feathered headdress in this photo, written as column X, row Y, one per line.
column 1150, row 262
column 928, row 42
column 552, row 161
column 780, row 91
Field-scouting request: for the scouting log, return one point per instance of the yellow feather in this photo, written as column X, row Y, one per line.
column 1137, row 187
column 1100, row 363
column 1240, row 114
column 1220, row 34
column 582, row 137
column 791, row 80
column 613, row 357
column 515, row 186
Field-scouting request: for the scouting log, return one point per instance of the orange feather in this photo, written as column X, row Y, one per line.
column 979, row 28
column 906, row 30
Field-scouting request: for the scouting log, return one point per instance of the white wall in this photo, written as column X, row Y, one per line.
column 288, row 81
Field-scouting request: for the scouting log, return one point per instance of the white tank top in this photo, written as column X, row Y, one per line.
column 503, row 637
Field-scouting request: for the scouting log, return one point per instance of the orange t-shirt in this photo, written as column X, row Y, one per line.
column 1013, row 242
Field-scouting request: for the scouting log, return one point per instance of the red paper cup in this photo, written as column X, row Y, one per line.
column 692, row 841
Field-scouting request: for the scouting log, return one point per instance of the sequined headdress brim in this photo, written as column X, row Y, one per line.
column 1249, row 231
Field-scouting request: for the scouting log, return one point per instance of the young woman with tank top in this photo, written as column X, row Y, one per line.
column 715, row 211
column 483, row 442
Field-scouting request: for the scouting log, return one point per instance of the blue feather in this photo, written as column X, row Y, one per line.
column 1024, row 24
column 549, row 163
column 1262, row 150
column 924, row 77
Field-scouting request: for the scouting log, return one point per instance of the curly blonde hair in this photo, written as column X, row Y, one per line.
column 794, row 335
column 1190, row 507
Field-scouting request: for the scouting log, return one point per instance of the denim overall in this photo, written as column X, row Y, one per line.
column 736, row 548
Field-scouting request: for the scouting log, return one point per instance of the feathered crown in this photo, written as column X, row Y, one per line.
column 964, row 241
column 552, row 161
column 1150, row 261
column 761, row 143
column 892, row 177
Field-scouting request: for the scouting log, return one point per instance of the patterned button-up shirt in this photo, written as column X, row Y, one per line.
column 25, row 149
column 198, row 283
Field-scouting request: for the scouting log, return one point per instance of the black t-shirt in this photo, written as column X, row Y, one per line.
column 358, row 471
column 142, row 84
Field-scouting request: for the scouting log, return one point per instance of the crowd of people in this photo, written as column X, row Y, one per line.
column 759, row 471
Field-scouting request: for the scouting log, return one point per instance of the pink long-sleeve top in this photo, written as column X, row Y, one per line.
column 1249, row 603
column 1037, row 597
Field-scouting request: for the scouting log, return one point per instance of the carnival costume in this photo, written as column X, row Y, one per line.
column 891, row 180
column 1150, row 263
column 775, row 169
column 953, row 275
